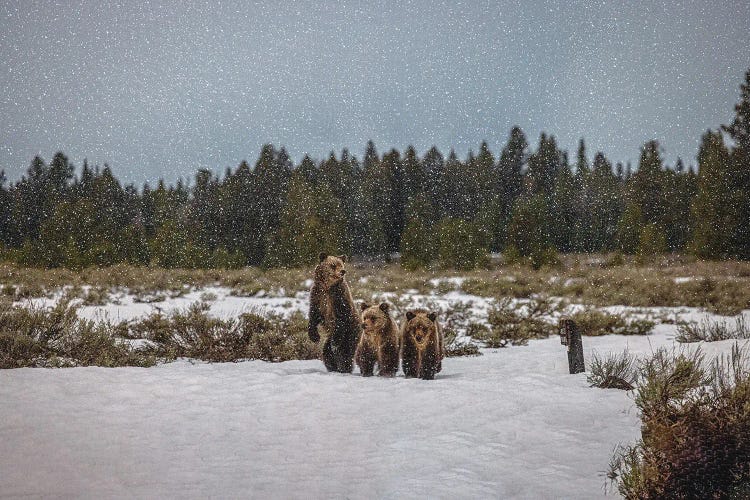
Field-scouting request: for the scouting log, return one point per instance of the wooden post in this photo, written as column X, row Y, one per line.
column 571, row 337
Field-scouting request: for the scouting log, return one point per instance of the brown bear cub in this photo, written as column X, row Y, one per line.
column 332, row 307
column 421, row 345
column 378, row 343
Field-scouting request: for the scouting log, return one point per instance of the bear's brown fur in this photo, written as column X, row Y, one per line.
column 379, row 342
column 421, row 344
column 332, row 307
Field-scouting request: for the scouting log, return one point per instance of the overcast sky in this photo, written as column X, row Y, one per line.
column 160, row 89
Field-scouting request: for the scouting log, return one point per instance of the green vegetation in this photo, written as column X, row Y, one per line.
column 529, row 202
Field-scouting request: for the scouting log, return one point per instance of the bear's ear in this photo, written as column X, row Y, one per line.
column 432, row 316
column 384, row 307
column 322, row 256
column 410, row 315
column 364, row 306
column 343, row 258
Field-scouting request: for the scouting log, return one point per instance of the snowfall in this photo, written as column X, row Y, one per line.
column 511, row 423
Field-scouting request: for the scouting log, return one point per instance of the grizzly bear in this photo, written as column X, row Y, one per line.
column 421, row 344
column 332, row 307
column 378, row 343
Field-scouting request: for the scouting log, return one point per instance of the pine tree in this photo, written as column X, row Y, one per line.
column 419, row 243
column 629, row 228
column 373, row 206
column 714, row 208
column 564, row 204
column 647, row 185
column 582, row 163
column 460, row 244
column 205, row 215
column 529, row 231
column 341, row 178
column 270, row 184
column 434, row 168
column 486, row 174
column 414, row 176
column 679, row 189
column 739, row 131
column 308, row 170
column 30, row 204
column 242, row 223
column 544, row 165
column 510, row 167
column 391, row 182
column 8, row 235
column 312, row 221
column 605, row 204
column 451, row 186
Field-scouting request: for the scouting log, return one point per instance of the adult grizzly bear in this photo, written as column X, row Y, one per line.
column 379, row 342
column 332, row 307
column 421, row 344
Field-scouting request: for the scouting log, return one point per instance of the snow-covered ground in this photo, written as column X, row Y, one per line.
column 509, row 424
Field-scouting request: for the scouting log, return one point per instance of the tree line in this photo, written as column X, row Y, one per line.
column 529, row 203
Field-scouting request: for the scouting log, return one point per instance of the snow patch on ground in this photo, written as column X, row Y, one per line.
column 684, row 279
column 457, row 281
column 223, row 304
column 510, row 424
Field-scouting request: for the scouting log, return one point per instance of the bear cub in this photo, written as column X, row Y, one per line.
column 332, row 308
column 379, row 342
column 421, row 345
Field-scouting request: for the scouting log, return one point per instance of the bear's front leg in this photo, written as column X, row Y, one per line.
column 315, row 318
column 365, row 360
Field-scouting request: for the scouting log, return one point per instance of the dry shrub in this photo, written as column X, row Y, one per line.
column 454, row 348
column 57, row 337
column 712, row 331
column 695, row 429
column 192, row 333
column 516, row 325
column 594, row 323
column 616, row 371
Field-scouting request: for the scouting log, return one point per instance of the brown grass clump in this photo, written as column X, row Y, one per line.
column 597, row 280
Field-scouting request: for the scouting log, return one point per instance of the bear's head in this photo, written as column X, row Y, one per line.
column 421, row 327
column 374, row 318
column 330, row 269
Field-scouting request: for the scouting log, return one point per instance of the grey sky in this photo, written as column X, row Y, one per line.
column 160, row 89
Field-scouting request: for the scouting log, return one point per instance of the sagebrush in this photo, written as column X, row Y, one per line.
column 695, row 433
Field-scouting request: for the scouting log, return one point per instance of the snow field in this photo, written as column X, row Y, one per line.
column 509, row 424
